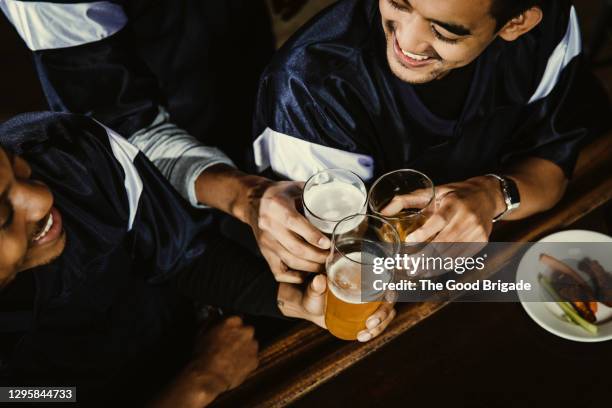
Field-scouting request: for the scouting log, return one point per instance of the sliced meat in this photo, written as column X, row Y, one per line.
column 562, row 267
column 570, row 289
column 601, row 278
column 579, row 295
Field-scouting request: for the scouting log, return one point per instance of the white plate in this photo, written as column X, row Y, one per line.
column 547, row 314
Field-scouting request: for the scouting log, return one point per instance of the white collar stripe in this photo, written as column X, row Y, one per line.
column 44, row 25
column 569, row 48
column 125, row 153
column 297, row 159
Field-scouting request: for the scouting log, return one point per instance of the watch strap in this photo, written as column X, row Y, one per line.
column 510, row 194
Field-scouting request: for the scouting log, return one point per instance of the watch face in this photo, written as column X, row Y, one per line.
column 513, row 194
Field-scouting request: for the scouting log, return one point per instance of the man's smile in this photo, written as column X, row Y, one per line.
column 50, row 229
column 409, row 59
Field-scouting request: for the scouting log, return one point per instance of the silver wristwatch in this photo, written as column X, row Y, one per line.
column 511, row 195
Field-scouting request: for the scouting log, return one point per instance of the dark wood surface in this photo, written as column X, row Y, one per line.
column 296, row 365
column 475, row 355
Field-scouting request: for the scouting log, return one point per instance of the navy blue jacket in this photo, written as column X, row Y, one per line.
column 114, row 314
column 329, row 99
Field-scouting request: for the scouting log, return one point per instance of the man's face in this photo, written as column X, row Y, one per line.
column 31, row 232
column 426, row 39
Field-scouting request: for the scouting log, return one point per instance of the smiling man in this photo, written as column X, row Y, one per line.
column 490, row 98
column 94, row 273
column 101, row 263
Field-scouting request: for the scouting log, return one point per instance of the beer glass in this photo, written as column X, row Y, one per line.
column 331, row 195
column 351, row 295
column 420, row 199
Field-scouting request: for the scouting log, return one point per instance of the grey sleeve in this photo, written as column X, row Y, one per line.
column 180, row 157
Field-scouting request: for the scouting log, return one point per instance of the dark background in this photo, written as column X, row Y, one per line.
column 20, row 90
column 467, row 355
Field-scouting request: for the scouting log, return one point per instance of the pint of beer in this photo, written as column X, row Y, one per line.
column 417, row 192
column 351, row 297
column 346, row 313
column 331, row 195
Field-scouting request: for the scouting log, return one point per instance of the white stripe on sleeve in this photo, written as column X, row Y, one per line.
column 569, row 48
column 44, row 25
column 125, row 153
column 297, row 159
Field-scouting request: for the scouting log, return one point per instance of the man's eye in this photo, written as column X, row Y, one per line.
column 443, row 38
column 397, row 6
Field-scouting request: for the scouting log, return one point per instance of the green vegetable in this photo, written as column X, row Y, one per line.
column 567, row 307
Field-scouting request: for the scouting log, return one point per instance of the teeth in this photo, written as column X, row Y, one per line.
column 415, row 56
column 48, row 226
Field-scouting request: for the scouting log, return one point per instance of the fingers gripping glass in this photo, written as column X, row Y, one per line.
column 356, row 241
column 406, row 198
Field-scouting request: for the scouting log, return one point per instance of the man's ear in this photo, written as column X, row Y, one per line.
column 521, row 24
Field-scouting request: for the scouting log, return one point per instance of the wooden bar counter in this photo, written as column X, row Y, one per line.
column 307, row 357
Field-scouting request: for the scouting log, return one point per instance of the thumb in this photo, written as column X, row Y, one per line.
column 317, row 286
column 314, row 298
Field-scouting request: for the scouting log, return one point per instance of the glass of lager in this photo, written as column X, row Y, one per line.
column 331, row 195
column 351, row 294
column 419, row 199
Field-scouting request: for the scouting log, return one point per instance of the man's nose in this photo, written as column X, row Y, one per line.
column 33, row 198
column 414, row 34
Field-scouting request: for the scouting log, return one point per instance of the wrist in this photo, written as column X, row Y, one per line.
column 230, row 190
column 251, row 189
column 495, row 195
column 215, row 186
column 192, row 388
column 288, row 300
column 205, row 385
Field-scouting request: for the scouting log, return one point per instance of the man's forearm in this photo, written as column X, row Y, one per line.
column 541, row 184
column 229, row 190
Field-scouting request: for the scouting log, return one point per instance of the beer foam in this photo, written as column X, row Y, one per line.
column 331, row 202
column 344, row 278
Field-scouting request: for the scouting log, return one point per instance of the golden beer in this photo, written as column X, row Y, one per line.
column 346, row 314
column 344, row 320
column 405, row 223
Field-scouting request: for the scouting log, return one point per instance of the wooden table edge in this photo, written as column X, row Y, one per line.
column 591, row 189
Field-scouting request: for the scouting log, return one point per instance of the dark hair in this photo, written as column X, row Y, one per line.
column 505, row 10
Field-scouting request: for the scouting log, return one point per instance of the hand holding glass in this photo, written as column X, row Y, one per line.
column 351, row 298
column 405, row 198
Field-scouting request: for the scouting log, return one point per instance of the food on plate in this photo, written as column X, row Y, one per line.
column 568, row 308
column 573, row 293
column 601, row 278
column 571, row 287
column 557, row 265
